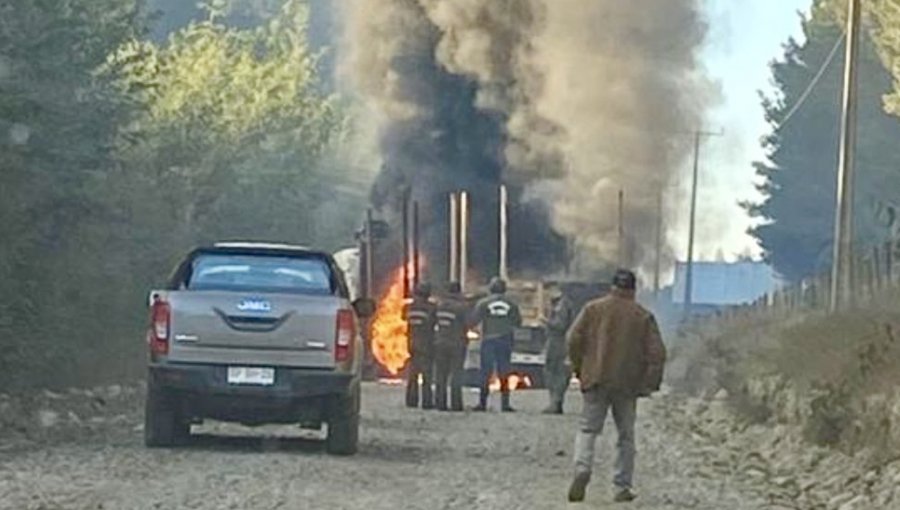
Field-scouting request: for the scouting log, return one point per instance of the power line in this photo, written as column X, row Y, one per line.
column 814, row 82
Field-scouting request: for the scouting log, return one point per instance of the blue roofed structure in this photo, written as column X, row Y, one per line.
column 724, row 284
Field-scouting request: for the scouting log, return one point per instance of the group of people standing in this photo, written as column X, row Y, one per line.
column 438, row 340
column 612, row 345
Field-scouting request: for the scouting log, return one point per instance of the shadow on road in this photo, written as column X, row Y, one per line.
column 378, row 450
column 256, row 444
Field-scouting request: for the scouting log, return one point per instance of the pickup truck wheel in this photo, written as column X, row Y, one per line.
column 164, row 423
column 343, row 424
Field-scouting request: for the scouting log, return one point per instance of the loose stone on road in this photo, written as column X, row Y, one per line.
column 409, row 459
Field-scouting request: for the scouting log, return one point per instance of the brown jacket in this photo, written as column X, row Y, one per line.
column 615, row 342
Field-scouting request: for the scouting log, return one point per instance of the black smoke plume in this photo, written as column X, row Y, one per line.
column 437, row 140
column 568, row 101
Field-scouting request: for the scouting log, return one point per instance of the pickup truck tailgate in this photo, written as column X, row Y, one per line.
column 239, row 328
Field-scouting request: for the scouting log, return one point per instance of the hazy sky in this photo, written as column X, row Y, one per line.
column 745, row 35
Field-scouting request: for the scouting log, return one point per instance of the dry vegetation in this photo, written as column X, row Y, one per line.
column 836, row 376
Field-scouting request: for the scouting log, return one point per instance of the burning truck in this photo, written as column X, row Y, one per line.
column 375, row 269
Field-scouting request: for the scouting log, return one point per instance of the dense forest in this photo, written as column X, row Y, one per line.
column 798, row 179
column 130, row 134
column 132, row 130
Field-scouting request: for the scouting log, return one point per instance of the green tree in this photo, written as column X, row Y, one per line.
column 170, row 16
column 881, row 20
column 230, row 139
column 57, row 127
column 231, row 126
column 885, row 15
column 799, row 175
column 118, row 154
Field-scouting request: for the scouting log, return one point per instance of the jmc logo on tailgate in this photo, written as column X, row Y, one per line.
column 254, row 305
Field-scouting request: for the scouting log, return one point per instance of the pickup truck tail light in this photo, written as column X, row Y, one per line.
column 160, row 326
column 345, row 332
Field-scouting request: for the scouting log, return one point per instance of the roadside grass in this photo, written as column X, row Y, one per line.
column 834, row 369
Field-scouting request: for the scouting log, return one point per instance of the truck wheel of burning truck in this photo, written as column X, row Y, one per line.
column 343, row 423
column 164, row 422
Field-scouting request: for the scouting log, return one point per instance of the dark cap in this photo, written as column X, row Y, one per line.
column 498, row 285
column 625, row 280
column 423, row 290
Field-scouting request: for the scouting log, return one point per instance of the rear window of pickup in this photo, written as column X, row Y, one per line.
column 260, row 273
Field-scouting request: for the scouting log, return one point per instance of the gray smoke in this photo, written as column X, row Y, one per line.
column 437, row 134
column 567, row 100
column 624, row 80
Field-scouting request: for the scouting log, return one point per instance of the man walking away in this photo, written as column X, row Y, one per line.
column 450, row 352
column 556, row 368
column 421, row 315
column 618, row 355
column 499, row 317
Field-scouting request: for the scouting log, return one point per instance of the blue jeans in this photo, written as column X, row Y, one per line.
column 496, row 355
column 597, row 403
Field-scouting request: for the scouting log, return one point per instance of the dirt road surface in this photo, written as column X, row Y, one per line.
column 409, row 459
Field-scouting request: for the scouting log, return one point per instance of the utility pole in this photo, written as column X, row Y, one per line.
column 842, row 263
column 504, row 234
column 463, row 238
column 689, row 276
column 657, row 267
column 406, row 247
column 454, row 237
column 417, row 264
column 370, row 256
column 622, row 249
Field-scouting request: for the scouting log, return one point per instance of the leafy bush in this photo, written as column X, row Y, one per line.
column 124, row 153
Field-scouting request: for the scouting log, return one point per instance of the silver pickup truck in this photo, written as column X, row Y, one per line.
column 256, row 334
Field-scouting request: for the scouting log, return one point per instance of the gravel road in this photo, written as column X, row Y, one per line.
column 409, row 459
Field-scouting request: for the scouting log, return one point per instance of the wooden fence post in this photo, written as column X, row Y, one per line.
column 855, row 271
column 889, row 263
column 876, row 267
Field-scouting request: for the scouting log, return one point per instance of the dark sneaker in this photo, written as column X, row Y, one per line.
column 480, row 408
column 508, row 409
column 552, row 410
column 578, row 489
column 625, row 496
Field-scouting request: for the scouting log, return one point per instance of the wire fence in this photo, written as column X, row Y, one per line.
column 875, row 276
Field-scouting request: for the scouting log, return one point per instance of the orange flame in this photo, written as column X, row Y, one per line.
column 516, row 382
column 389, row 329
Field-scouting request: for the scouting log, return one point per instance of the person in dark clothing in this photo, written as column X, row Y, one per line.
column 499, row 317
column 557, row 371
column 450, row 348
column 421, row 315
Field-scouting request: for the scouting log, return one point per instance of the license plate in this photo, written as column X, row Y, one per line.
column 527, row 359
column 251, row 375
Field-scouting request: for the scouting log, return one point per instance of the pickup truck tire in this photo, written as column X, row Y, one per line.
column 164, row 423
column 343, row 424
